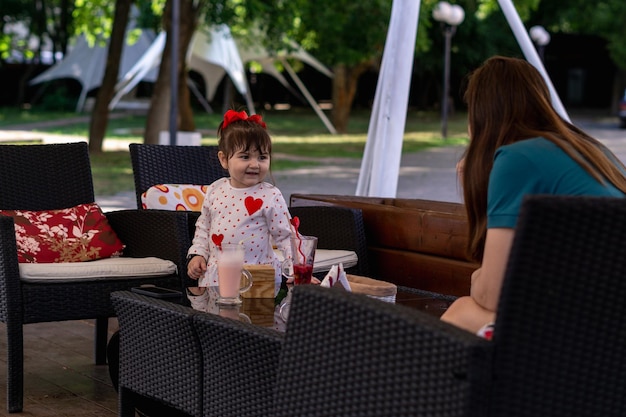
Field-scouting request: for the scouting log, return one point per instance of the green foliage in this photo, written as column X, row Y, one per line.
column 58, row 100
column 603, row 18
column 344, row 31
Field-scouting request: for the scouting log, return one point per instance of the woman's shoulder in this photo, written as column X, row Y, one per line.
column 531, row 143
column 530, row 148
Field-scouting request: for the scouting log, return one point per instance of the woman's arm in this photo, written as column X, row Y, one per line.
column 473, row 312
column 487, row 280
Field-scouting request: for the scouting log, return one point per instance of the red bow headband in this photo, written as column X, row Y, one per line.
column 233, row 116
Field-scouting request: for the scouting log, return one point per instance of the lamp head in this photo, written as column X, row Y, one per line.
column 539, row 35
column 450, row 14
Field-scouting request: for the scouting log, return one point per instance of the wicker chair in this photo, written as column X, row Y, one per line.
column 165, row 164
column 240, row 365
column 335, row 227
column 43, row 177
column 160, row 356
column 557, row 349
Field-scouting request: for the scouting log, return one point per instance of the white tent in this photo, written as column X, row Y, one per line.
column 380, row 166
column 86, row 64
column 211, row 57
column 214, row 53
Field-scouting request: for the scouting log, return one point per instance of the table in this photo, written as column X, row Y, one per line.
column 263, row 312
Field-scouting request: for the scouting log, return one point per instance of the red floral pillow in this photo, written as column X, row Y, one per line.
column 74, row 234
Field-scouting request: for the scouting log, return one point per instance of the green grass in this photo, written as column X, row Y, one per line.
column 297, row 132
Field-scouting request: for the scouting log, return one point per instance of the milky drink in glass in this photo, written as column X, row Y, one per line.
column 230, row 274
column 303, row 254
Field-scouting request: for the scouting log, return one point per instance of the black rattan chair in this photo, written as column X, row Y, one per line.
column 335, row 227
column 240, row 365
column 44, row 177
column 160, row 357
column 166, row 164
column 347, row 354
column 557, row 349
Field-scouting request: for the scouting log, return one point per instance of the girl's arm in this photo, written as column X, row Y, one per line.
column 487, row 280
column 200, row 243
column 279, row 223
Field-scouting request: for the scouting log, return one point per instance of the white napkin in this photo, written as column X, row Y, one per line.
column 335, row 275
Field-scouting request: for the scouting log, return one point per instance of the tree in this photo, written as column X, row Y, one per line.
column 272, row 17
column 157, row 119
column 100, row 114
column 349, row 37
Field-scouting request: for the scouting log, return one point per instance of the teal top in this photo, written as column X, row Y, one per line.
column 535, row 166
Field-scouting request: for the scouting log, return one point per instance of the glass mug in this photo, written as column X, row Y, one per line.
column 232, row 312
column 300, row 266
column 232, row 278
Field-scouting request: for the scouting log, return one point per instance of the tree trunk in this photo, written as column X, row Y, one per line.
column 345, row 82
column 100, row 112
column 158, row 114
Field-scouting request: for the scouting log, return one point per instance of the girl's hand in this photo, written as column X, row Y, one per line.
column 196, row 267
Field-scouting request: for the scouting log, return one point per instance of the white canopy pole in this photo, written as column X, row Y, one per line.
column 309, row 97
column 524, row 41
column 380, row 167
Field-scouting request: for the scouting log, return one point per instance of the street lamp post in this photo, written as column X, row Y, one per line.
column 450, row 16
column 541, row 38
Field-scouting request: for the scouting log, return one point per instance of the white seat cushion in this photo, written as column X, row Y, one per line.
column 326, row 258
column 109, row 268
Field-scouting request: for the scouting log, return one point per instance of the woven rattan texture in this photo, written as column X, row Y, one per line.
column 38, row 177
column 561, row 335
column 165, row 164
column 43, row 177
column 240, row 366
column 336, row 228
column 350, row 355
column 160, row 355
column 557, row 349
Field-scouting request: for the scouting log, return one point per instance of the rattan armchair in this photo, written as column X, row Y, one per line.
column 174, row 359
column 160, row 357
column 557, row 349
column 335, row 227
column 240, row 365
column 44, row 177
column 166, row 164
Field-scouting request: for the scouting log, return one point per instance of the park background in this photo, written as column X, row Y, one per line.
column 585, row 56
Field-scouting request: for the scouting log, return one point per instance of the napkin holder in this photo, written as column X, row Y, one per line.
column 263, row 281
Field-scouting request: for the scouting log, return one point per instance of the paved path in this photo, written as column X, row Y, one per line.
column 429, row 174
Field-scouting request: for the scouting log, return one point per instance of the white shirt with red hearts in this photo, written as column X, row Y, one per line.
column 253, row 215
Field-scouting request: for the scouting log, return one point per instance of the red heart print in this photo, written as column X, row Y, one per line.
column 217, row 239
column 253, row 204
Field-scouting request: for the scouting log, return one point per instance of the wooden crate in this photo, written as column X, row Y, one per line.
column 263, row 284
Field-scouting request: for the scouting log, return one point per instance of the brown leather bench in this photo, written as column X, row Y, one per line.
column 412, row 243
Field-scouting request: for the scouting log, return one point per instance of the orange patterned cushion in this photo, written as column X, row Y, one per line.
column 182, row 197
column 74, row 234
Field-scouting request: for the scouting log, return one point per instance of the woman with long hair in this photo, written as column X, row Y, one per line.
column 519, row 145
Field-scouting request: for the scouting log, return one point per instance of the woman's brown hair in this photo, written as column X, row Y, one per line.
column 508, row 101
